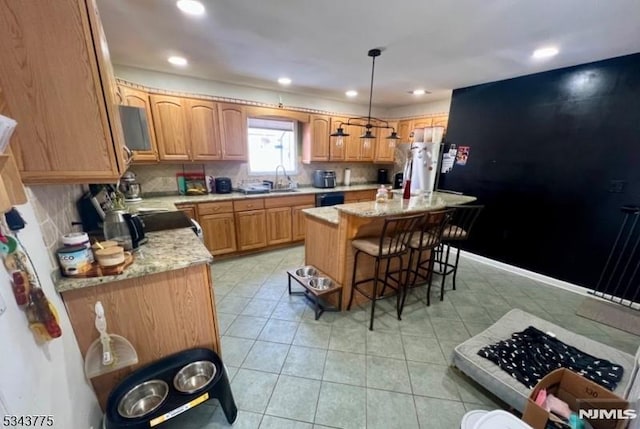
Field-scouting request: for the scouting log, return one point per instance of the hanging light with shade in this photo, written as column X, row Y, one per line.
column 365, row 122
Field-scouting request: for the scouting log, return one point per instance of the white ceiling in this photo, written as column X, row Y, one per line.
column 322, row 44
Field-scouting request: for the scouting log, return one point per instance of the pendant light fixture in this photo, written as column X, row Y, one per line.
column 366, row 122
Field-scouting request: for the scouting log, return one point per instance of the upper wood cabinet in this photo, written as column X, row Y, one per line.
column 204, row 130
column 385, row 151
column 172, row 131
column 233, row 131
column 405, row 129
column 337, row 152
column 138, row 98
column 440, row 121
column 315, row 145
column 57, row 83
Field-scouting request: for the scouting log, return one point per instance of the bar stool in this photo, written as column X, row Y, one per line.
column 427, row 239
column 463, row 219
column 392, row 243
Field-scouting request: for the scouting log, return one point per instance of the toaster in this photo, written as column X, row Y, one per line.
column 324, row 179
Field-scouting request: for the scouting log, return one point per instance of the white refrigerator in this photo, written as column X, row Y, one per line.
column 422, row 161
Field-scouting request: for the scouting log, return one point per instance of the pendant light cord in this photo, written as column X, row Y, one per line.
column 373, row 68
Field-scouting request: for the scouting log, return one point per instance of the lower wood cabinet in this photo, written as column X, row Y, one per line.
column 188, row 210
column 278, row 225
column 251, row 229
column 219, row 231
column 297, row 222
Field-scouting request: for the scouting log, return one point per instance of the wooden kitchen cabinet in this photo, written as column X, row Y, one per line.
column 233, row 131
column 219, row 231
column 315, row 146
column 336, row 153
column 172, row 131
column 204, row 130
column 138, row 98
column 164, row 313
column 251, row 229
column 298, row 222
column 440, row 121
column 405, row 128
column 278, row 225
column 360, row 196
column 189, row 210
column 57, row 83
column 385, row 152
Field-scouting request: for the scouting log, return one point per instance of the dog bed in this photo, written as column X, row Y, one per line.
column 465, row 357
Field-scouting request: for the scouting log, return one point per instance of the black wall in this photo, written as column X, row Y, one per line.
column 546, row 150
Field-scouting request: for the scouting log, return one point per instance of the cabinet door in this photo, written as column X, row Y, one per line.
column 204, row 130
column 137, row 98
column 278, row 225
column 69, row 126
column 336, row 153
column 233, row 131
column 298, row 222
column 353, row 143
column 385, row 151
column 440, row 121
column 219, row 231
column 320, row 130
column 368, row 149
column 189, row 210
column 251, row 228
column 405, row 127
column 172, row 134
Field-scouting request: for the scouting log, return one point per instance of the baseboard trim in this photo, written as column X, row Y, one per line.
column 529, row 274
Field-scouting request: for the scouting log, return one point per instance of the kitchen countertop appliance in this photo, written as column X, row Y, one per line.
column 124, row 228
column 129, row 186
column 324, row 179
column 383, row 176
column 223, row 185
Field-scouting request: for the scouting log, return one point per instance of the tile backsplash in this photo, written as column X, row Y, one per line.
column 55, row 209
column 161, row 178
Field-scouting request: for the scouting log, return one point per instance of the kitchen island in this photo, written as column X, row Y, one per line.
column 163, row 303
column 330, row 230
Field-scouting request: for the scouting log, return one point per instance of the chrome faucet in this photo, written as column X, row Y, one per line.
column 276, row 184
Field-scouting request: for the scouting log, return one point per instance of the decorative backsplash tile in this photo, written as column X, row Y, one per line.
column 55, row 208
column 161, row 178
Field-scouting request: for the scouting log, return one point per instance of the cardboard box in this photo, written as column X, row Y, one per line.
column 578, row 393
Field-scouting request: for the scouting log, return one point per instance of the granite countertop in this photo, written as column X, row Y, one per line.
column 327, row 214
column 168, row 202
column 165, row 251
column 398, row 206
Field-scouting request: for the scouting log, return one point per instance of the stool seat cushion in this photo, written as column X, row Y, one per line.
column 428, row 240
column 371, row 246
column 454, row 232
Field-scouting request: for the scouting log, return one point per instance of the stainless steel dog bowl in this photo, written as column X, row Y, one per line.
column 306, row 272
column 194, row 376
column 321, row 283
column 143, row 399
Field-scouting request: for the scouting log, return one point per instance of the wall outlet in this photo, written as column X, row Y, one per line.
column 617, row 186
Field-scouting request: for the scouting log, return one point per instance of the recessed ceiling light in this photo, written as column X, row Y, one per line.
column 419, row 92
column 351, row 93
column 547, row 52
column 191, row 7
column 178, row 61
column 284, row 81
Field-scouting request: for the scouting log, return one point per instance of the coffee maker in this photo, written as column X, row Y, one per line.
column 130, row 188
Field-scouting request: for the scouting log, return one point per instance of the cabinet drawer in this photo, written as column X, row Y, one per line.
column 248, row 204
column 355, row 196
column 297, row 200
column 215, row 208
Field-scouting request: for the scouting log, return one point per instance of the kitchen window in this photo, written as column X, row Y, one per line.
column 272, row 142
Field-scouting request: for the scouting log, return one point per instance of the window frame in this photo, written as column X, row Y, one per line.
column 295, row 145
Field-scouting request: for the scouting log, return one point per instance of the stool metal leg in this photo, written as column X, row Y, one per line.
column 455, row 268
column 353, row 279
column 374, row 294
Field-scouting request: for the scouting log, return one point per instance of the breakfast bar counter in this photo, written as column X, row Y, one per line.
column 330, row 231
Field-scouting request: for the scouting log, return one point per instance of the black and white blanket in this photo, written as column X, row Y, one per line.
column 531, row 354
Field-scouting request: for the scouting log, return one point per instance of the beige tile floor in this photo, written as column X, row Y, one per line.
column 290, row 371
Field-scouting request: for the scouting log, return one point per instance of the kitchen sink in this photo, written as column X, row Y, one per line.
column 280, row 191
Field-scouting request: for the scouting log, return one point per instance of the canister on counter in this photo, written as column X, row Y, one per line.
column 74, row 260
column 78, row 239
